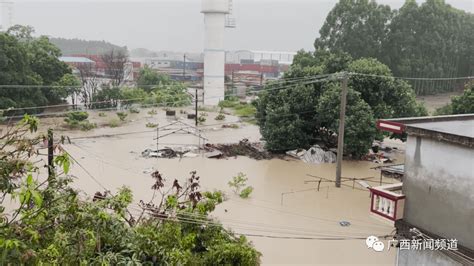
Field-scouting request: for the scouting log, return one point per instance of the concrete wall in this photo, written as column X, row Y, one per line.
column 424, row 257
column 439, row 188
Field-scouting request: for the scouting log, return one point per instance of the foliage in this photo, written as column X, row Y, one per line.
column 245, row 110
column 122, row 116
column 462, row 104
column 220, row 116
column 130, row 96
column 294, row 117
column 428, row 40
column 77, row 116
column 229, row 103
column 245, row 193
column 54, row 225
column 359, row 127
column 152, row 112
column 106, row 97
column 151, row 125
column 148, row 79
column 102, row 114
column 202, row 118
column 114, row 122
column 25, row 60
column 239, row 185
column 78, row 120
column 134, row 110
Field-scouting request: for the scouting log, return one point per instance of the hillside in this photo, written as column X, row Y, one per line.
column 77, row 46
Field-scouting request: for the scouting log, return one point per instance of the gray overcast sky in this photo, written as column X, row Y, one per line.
column 285, row 25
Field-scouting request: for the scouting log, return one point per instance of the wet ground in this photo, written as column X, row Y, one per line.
column 283, row 204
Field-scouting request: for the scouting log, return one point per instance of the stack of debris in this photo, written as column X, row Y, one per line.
column 171, row 153
column 313, row 155
column 243, row 148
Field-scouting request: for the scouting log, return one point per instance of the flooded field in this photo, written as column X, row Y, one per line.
column 283, row 204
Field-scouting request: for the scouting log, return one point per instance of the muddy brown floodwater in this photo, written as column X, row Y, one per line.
column 116, row 161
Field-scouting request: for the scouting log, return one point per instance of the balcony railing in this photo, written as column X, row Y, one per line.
column 387, row 202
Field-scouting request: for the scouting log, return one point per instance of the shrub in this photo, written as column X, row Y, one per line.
column 237, row 183
column 245, row 110
column 101, row 114
column 151, row 125
column 77, row 116
column 134, row 110
column 220, row 117
column 202, row 118
column 245, row 193
column 152, row 112
column 122, row 116
column 114, row 122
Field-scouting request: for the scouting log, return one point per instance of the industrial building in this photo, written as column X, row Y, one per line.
column 433, row 209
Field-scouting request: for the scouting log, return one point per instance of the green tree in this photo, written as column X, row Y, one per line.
column 359, row 124
column 148, row 79
column 355, row 26
column 462, row 104
column 25, row 60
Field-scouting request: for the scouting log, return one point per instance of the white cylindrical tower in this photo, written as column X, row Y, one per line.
column 214, row 54
column 6, row 15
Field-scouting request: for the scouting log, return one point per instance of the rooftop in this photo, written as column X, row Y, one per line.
column 73, row 59
column 458, row 129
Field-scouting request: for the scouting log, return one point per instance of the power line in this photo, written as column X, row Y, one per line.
column 165, row 104
column 408, row 78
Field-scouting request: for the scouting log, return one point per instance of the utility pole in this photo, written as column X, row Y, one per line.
column 340, row 134
column 50, row 154
column 261, row 79
column 196, row 107
column 184, row 67
column 232, row 83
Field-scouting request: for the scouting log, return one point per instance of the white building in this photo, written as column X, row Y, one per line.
column 6, row 15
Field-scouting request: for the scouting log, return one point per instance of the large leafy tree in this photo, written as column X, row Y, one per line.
column 282, row 109
column 355, row 26
column 359, row 125
column 25, row 60
column 428, row 40
column 462, row 104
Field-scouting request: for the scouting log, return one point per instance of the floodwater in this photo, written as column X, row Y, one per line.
column 300, row 212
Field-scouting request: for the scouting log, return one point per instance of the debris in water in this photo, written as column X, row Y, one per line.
column 243, row 148
column 313, row 155
column 344, row 223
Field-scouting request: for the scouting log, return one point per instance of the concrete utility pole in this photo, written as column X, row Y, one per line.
column 184, row 67
column 196, row 108
column 340, row 134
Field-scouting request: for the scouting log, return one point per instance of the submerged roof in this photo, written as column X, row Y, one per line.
column 458, row 129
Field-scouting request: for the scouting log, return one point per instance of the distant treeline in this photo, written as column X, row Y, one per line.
column 77, row 46
column 430, row 40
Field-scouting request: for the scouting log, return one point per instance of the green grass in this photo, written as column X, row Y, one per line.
column 245, row 110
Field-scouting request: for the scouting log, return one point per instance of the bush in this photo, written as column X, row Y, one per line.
column 122, row 116
column 114, row 122
column 245, row 110
column 134, row 110
column 152, row 112
column 151, row 125
column 246, row 192
column 101, row 114
column 220, row 117
column 77, row 116
column 231, row 103
column 202, row 118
